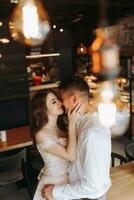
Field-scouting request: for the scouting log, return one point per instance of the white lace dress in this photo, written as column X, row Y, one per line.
column 55, row 168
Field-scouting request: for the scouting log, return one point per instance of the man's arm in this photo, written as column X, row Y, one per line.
column 46, row 191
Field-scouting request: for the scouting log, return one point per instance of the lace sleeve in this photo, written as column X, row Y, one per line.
column 48, row 142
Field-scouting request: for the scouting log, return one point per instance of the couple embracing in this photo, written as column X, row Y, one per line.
column 76, row 164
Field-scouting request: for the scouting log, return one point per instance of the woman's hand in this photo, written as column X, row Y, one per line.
column 76, row 113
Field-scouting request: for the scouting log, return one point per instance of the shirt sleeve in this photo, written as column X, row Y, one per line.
column 91, row 178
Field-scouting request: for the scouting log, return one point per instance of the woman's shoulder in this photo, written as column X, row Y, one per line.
column 42, row 136
column 39, row 137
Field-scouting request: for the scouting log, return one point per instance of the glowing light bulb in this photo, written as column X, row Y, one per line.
column 105, row 55
column 30, row 12
column 54, row 26
column 112, row 112
column 61, row 30
column 81, row 50
column 108, row 91
column 106, row 108
column 107, row 113
column 29, row 22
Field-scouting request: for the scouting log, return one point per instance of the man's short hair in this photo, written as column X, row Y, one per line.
column 75, row 83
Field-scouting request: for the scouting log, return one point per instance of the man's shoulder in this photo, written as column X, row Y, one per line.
column 89, row 116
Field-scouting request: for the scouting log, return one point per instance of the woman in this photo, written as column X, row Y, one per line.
column 55, row 149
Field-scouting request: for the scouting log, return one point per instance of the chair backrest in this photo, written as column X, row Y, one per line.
column 129, row 150
column 12, row 160
column 120, row 158
column 13, row 167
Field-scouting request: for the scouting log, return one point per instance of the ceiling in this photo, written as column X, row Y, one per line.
column 79, row 16
column 72, row 13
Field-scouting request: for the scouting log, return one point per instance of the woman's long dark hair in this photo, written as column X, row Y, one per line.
column 38, row 112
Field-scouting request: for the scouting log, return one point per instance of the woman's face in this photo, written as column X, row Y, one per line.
column 54, row 106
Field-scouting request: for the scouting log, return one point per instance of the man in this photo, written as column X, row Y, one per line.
column 89, row 174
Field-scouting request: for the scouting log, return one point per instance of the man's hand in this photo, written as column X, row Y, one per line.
column 47, row 192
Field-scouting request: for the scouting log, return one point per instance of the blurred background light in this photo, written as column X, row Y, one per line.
column 29, row 22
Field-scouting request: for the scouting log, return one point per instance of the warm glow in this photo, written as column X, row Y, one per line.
column 105, row 55
column 106, row 106
column 96, row 62
column 29, row 22
column 4, row 40
column 107, row 113
column 107, row 94
column 81, row 50
column 14, row 1
column 108, row 91
column 1, row 23
column 95, row 50
column 98, row 41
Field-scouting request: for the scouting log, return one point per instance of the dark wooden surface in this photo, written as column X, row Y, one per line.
column 16, row 138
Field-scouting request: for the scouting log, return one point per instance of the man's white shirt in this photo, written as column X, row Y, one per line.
column 89, row 175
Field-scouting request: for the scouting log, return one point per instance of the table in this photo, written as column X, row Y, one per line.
column 16, row 138
column 122, row 182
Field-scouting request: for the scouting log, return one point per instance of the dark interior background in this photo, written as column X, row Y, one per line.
column 79, row 19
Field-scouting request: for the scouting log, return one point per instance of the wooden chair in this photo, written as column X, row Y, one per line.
column 13, row 168
column 120, row 158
